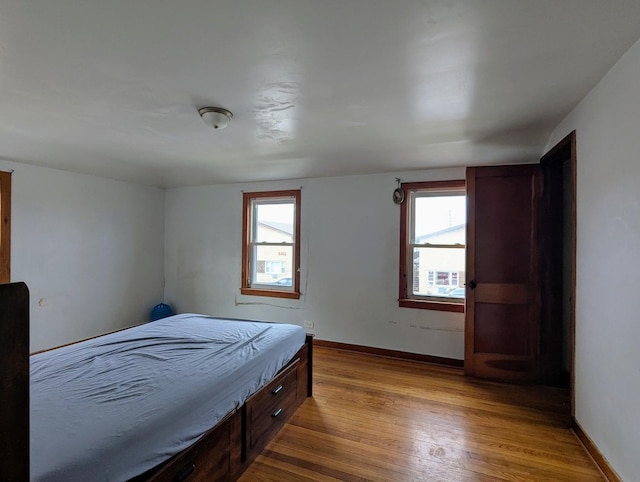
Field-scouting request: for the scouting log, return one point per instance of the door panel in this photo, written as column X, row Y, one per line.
column 502, row 312
column 503, row 330
column 504, row 218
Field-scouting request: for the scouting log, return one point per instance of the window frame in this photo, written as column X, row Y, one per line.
column 5, row 227
column 406, row 264
column 247, row 219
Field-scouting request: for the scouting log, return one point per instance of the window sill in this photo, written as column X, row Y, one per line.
column 431, row 305
column 294, row 295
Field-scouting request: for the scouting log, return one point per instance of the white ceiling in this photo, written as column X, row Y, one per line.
column 317, row 87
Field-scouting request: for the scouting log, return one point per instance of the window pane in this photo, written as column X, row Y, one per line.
column 274, row 222
column 278, row 266
column 440, row 219
column 440, row 272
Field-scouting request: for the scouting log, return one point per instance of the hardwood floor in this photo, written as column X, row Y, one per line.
column 379, row 419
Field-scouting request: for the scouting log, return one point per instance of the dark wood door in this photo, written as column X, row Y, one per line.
column 502, row 298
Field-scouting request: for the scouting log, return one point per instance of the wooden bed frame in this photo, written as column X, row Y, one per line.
column 223, row 453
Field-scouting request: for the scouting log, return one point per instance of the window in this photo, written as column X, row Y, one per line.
column 271, row 244
column 5, row 227
column 432, row 245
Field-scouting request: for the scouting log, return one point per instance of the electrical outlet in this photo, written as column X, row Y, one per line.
column 308, row 324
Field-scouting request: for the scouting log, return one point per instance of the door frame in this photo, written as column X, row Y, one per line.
column 565, row 151
column 5, row 227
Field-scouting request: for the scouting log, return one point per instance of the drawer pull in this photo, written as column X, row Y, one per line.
column 277, row 389
column 276, row 413
column 184, row 473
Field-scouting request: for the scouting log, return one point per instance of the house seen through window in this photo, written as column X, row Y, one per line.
column 432, row 271
column 271, row 254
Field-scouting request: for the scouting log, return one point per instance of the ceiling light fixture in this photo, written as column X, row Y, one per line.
column 215, row 117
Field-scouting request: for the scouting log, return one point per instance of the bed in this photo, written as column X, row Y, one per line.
column 189, row 397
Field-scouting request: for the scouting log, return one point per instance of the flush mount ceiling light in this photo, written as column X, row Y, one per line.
column 215, row 117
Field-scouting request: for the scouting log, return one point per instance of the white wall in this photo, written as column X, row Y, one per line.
column 90, row 249
column 607, row 124
column 349, row 265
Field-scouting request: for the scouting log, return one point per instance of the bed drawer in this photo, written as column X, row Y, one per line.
column 272, row 394
column 211, row 458
column 270, row 408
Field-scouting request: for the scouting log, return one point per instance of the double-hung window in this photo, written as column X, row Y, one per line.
column 271, row 244
column 432, row 245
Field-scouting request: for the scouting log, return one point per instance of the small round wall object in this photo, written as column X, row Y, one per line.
column 161, row 310
column 398, row 195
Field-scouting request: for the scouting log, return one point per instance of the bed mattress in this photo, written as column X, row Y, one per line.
column 112, row 407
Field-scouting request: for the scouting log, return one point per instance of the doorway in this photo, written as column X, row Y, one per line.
column 541, row 301
column 558, row 262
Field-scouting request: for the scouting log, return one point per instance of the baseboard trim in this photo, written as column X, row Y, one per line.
column 402, row 355
column 595, row 454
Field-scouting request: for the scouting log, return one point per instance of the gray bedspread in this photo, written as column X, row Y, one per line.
column 110, row 408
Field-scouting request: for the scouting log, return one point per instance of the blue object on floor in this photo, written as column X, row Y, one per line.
column 161, row 311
